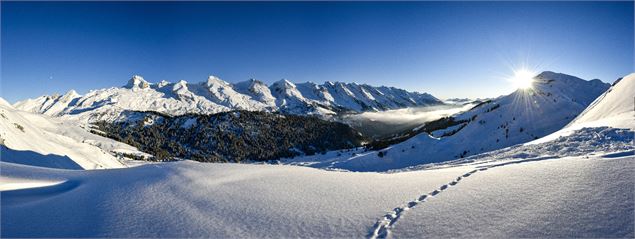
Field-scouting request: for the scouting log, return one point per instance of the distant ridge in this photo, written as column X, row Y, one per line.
column 216, row 95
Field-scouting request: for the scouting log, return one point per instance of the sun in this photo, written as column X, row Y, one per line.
column 523, row 79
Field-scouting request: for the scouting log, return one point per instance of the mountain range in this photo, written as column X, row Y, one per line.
column 527, row 114
column 576, row 181
column 216, row 95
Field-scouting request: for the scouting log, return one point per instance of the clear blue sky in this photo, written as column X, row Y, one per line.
column 449, row 49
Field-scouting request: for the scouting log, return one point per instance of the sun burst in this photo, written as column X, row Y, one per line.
column 523, row 79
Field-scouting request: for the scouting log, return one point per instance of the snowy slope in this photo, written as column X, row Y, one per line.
column 189, row 199
column 614, row 108
column 216, row 95
column 39, row 140
column 565, row 198
column 520, row 117
column 578, row 185
column 587, row 196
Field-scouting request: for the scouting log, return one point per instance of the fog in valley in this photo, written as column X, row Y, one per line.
column 384, row 124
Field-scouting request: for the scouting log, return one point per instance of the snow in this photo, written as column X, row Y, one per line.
column 189, row 199
column 535, row 197
column 578, row 184
column 257, row 90
column 571, row 197
column 216, row 95
column 40, row 140
column 613, row 108
column 520, row 117
column 137, row 83
column 189, row 123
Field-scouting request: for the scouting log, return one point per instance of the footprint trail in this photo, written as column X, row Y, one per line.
column 382, row 228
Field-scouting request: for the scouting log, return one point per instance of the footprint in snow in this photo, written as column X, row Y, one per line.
column 423, row 197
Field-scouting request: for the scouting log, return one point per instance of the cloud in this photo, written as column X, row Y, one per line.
column 411, row 115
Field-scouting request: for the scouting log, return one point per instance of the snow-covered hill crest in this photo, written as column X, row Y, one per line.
column 614, row 108
column 216, row 95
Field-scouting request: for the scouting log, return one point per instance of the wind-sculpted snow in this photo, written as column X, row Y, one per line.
column 216, row 95
column 581, row 142
column 585, row 143
column 190, row 199
column 543, row 197
column 534, row 197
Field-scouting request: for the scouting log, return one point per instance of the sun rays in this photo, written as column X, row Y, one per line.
column 523, row 79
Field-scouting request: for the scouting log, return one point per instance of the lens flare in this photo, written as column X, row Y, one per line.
column 523, row 79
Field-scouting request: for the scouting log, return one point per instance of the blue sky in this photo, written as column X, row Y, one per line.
column 449, row 49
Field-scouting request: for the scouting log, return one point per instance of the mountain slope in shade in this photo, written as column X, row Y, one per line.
column 554, row 101
column 40, row 140
column 216, row 95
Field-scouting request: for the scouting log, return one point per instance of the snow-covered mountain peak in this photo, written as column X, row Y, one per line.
column 252, row 86
column 560, row 79
column 257, row 90
column 249, row 84
column 5, row 103
column 216, row 95
column 162, row 83
column 563, row 86
column 71, row 94
column 215, row 82
column 180, row 87
column 283, row 84
column 137, row 82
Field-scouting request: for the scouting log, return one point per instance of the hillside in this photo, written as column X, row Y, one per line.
column 39, row 140
column 237, row 136
column 525, row 115
column 216, row 95
column 577, row 185
column 540, row 195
